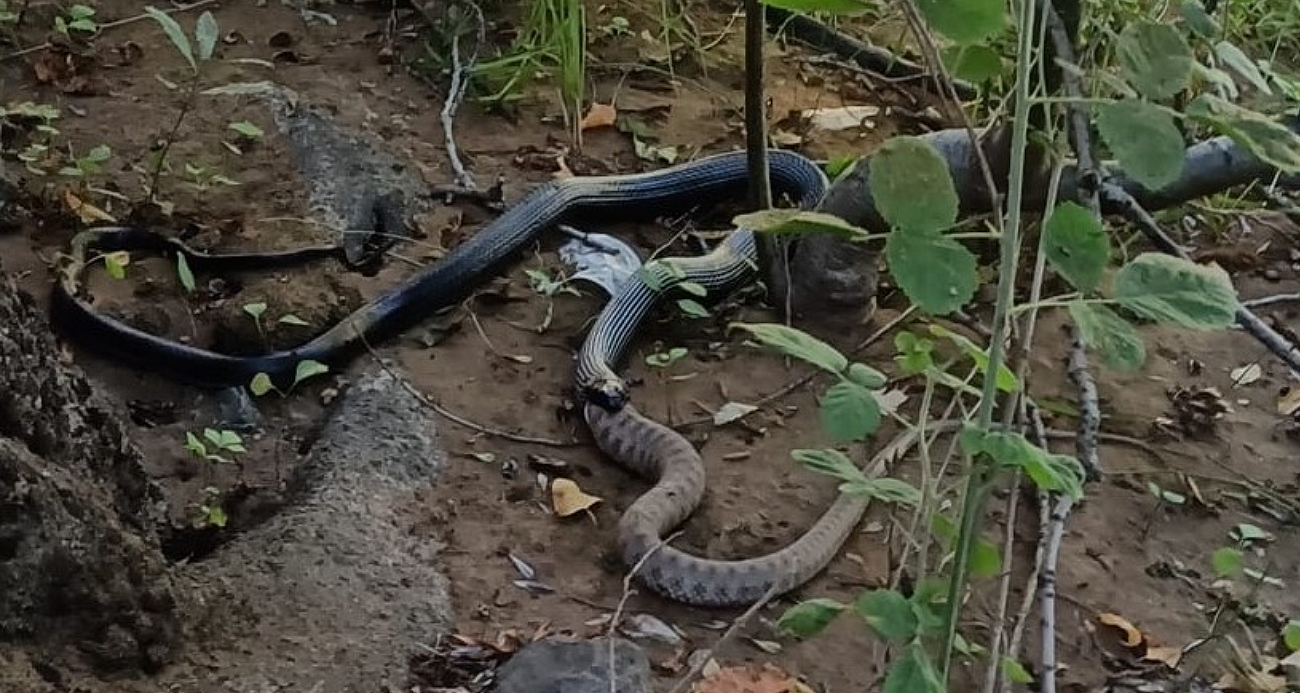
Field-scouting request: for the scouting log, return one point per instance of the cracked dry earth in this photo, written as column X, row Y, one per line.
column 497, row 366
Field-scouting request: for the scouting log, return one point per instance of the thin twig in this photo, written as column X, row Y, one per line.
column 1271, row 300
column 726, row 638
column 456, row 94
column 622, row 604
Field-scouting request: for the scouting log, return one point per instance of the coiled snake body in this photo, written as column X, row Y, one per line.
column 621, row 432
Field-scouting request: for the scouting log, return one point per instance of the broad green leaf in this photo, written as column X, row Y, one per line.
column 976, row 64
column 831, row 463
column 885, row 490
column 849, row 412
column 175, row 33
column 1110, row 335
column 308, row 368
column 888, row 614
column 1241, row 64
column 216, row 516
column 261, row 384
column 1144, row 139
column 913, row 352
column 985, row 559
column 965, row 21
column 866, row 376
column 1014, row 672
column 809, row 618
column 1226, row 561
column 291, row 319
column 194, row 445
column 205, row 35
column 1006, row 378
column 1264, row 137
column 1171, row 290
column 795, row 222
column 1076, row 245
column 849, row 7
column 183, row 272
column 1291, row 635
column 255, row 309
column 913, row 672
column 1155, row 58
column 692, row 308
column 937, row 273
column 797, row 344
column 1200, row 21
column 912, row 186
column 838, row 165
column 1248, row 533
column 1048, row 471
column 99, row 154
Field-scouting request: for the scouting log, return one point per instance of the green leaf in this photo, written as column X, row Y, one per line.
column 1014, row 672
column 1076, row 245
column 216, row 516
column 1226, row 561
column 913, row 352
column 809, row 618
column 794, row 222
column 255, row 309
column 831, row 463
column 1198, row 20
column 693, row 288
column 116, row 263
column 184, row 274
column 1171, row 290
column 1264, row 137
column 849, row 412
column 937, row 273
column 308, row 368
column 866, row 376
column 291, row 319
column 1240, row 63
column 912, row 673
column 692, row 308
column 884, row 489
column 1247, row 533
column 1048, row 471
column 247, row 129
column 841, row 7
column 195, row 446
column 912, row 186
column 261, row 384
column 99, row 154
column 1155, row 58
column 175, row 33
column 1006, row 378
column 205, row 35
column 965, row 21
column 797, row 344
column 976, row 64
column 888, row 614
column 985, row 559
column 1144, row 139
column 1109, row 334
column 838, row 165
column 1291, row 636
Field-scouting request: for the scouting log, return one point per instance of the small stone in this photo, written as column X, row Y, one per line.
column 555, row 665
column 1272, row 274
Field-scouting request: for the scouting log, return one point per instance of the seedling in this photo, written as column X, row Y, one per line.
column 215, row 445
column 548, row 286
column 88, row 164
column 79, row 18
column 664, row 359
column 261, row 383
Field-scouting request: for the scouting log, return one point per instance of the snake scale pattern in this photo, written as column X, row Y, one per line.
column 634, row 441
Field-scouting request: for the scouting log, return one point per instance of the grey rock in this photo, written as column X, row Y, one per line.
column 555, row 665
column 236, row 409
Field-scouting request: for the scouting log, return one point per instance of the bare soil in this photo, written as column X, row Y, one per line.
column 1121, row 554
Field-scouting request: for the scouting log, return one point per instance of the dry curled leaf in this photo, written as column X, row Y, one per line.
column 600, row 116
column 767, row 679
column 1132, row 636
column 87, row 212
column 1169, row 656
column 567, row 498
column 1288, row 403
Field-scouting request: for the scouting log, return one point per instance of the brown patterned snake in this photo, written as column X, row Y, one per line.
column 656, row 451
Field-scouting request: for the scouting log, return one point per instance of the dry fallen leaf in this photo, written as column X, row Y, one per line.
column 567, row 498
column 1169, row 656
column 768, row 679
column 732, row 411
column 87, row 212
column 600, row 116
column 1245, row 375
column 841, row 118
column 1288, row 403
column 1132, row 636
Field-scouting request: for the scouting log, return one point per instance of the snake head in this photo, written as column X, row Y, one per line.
column 608, row 394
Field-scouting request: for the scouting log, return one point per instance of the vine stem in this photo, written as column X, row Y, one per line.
column 977, row 482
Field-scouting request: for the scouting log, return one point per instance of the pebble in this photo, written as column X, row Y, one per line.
column 557, row 665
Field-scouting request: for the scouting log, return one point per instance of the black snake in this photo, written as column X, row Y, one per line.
column 622, row 433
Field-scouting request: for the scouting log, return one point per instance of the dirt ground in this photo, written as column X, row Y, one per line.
column 495, row 366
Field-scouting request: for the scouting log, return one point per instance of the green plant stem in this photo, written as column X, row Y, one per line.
column 1059, row 303
column 980, row 472
column 186, row 105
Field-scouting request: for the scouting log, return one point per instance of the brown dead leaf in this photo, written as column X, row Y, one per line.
column 87, row 212
column 600, row 116
column 67, row 72
column 1132, row 636
column 768, row 679
column 1169, row 656
column 567, row 498
column 1288, row 403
